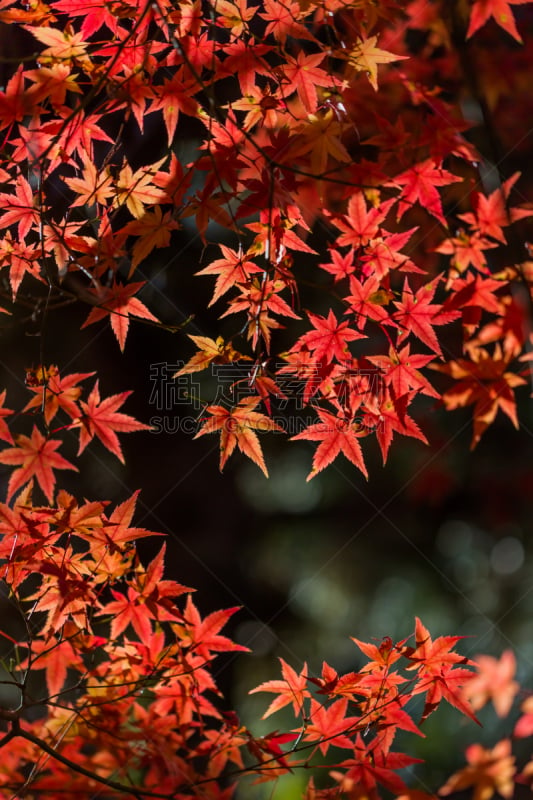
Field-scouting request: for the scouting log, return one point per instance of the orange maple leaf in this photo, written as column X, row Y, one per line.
column 100, row 418
column 485, row 382
column 210, row 352
column 494, row 681
column 56, row 393
column 38, row 458
column 119, row 303
column 237, row 427
column 365, row 57
column 488, row 771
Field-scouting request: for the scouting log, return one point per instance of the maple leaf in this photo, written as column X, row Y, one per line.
column 210, row 352
column 54, row 82
column 56, row 393
column 329, row 725
column 291, row 689
column 152, row 230
column 488, row 771
column 302, row 75
column 235, row 267
column 37, row 458
column 340, row 266
column 492, row 212
column 438, row 673
column 471, row 295
column 419, row 185
column 237, row 428
column 500, row 11
column 129, row 609
column 383, row 255
column 367, row 301
column 336, row 435
column 319, row 136
column 467, row 249
column 494, row 681
column 257, row 299
column 118, row 302
column 282, row 18
column 524, row 726
column 143, row 603
column 360, row 225
column 371, row 765
column 244, row 60
column 234, row 16
column 101, row 418
column 94, row 14
column 5, row 433
column 137, row 189
column 56, row 657
column 401, row 368
column 110, row 536
column 92, row 187
column 63, row 45
column 172, row 97
column 416, row 314
column 20, row 207
column 387, row 414
column 380, row 656
column 203, row 635
column 16, row 102
column 484, row 382
column 330, row 338
column 365, row 57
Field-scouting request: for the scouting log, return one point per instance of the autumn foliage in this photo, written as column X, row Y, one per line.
column 333, row 159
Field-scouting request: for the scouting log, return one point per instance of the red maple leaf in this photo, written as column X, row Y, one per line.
column 330, row 338
column 237, row 428
column 340, row 266
column 291, row 689
column 38, row 458
column 360, row 225
column 302, row 75
column 372, row 764
column 5, row 433
column 419, row 185
column 329, row 726
column 401, row 368
column 367, row 301
column 173, row 96
column 19, row 208
column 203, row 635
column 336, row 435
column 438, row 673
column 484, row 381
column 416, row 314
column 118, row 302
column 500, row 11
column 492, row 212
column 101, row 418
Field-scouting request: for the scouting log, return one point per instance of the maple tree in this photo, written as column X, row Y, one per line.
column 331, row 163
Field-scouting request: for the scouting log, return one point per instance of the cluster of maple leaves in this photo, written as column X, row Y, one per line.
column 331, row 157
column 321, row 122
column 112, row 689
